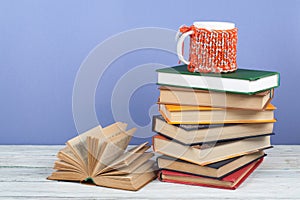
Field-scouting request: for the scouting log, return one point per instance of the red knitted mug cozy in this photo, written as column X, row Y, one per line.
column 212, row 51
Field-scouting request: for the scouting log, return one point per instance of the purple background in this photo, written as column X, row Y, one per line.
column 43, row 43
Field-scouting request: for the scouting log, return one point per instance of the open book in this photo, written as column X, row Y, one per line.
column 100, row 156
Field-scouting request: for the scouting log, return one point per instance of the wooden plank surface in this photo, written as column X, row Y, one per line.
column 23, row 172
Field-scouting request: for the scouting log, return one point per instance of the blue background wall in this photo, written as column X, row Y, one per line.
column 43, row 43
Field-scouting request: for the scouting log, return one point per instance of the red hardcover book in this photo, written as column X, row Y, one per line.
column 231, row 181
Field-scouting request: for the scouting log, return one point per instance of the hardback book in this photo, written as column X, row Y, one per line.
column 177, row 114
column 216, row 170
column 232, row 181
column 243, row 81
column 195, row 97
column 100, row 156
column 208, row 153
column 201, row 133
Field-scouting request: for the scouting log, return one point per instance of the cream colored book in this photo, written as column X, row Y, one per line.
column 176, row 114
column 215, row 170
column 199, row 133
column 210, row 152
column 195, row 97
column 100, row 156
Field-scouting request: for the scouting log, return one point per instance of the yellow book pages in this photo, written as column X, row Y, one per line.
column 219, row 122
column 179, row 108
column 225, row 122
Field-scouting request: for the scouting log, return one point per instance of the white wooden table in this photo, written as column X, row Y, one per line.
column 23, row 172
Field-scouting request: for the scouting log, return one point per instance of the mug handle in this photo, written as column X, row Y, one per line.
column 179, row 46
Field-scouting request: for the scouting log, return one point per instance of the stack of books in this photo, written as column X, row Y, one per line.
column 213, row 128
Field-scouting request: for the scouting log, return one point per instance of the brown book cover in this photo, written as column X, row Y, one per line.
column 216, row 170
column 209, row 152
column 200, row 133
column 177, row 114
column 195, row 97
column 232, row 181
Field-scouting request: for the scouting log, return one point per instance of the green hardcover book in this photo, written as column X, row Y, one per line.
column 243, row 81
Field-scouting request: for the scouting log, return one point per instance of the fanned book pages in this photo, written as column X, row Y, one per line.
column 99, row 156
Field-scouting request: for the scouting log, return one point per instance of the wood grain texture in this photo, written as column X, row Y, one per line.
column 23, row 172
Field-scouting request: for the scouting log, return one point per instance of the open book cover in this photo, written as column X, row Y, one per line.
column 100, row 156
